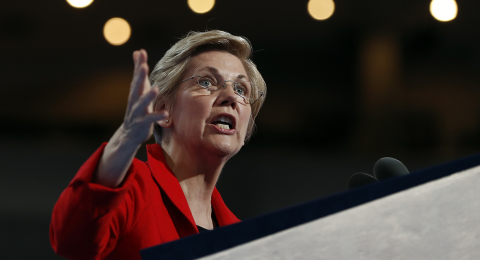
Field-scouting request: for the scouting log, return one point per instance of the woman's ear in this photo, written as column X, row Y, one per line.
column 163, row 109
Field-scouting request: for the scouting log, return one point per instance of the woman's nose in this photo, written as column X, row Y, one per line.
column 227, row 95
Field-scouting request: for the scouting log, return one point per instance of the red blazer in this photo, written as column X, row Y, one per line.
column 90, row 221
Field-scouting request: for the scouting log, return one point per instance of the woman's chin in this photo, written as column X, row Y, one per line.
column 223, row 148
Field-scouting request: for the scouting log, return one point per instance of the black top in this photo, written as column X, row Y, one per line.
column 201, row 229
column 215, row 224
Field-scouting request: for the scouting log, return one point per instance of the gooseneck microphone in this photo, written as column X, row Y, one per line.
column 360, row 179
column 385, row 168
column 388, row 167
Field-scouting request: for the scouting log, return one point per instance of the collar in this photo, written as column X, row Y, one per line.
column 166, row 180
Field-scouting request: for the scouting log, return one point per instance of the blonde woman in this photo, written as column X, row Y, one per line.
column 201, row 109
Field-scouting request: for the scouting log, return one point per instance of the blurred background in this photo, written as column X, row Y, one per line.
column 349, row 81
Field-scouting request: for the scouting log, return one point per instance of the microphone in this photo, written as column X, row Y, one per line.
column 388, row 167
column 385, row 168
column 360, row 179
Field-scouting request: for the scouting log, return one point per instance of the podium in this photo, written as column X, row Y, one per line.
column 433, row 213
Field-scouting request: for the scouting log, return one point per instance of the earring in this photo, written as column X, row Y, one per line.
column 166, row 121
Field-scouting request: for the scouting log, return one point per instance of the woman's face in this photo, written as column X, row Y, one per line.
column 210, row 121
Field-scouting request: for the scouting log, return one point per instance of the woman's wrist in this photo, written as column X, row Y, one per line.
column 116, row 159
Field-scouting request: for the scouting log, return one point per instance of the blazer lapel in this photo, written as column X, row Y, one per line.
column 224, row 215
column 164, row 177
column 166, row 180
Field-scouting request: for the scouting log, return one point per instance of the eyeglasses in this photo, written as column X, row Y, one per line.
column 242, row 90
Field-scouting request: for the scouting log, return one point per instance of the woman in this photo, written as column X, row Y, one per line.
column 206, row 95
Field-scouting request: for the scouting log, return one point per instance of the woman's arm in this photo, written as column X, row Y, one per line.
column 137, row 127
column 93, row 212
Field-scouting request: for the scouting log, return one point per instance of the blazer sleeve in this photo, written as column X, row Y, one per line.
column 88, row 219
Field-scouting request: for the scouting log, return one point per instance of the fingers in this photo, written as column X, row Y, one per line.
column 140, row 83
column 135, row 58
column 140, row 57
column 154, row 117
column 141, row 106
column 142, row 61
column 139, row 117
column 139, row 80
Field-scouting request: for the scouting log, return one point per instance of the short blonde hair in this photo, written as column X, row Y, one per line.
column 168, row 72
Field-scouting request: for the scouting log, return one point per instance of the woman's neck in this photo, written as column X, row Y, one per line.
column 197, row 175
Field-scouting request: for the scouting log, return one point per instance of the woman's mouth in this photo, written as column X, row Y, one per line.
column 224, row 123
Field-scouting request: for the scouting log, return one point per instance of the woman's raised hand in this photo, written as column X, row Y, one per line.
column 137, row 125
column 136, row 128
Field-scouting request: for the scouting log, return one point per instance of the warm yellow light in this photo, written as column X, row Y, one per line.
column 79, row 3
column 116, row 31
column 321, row 9
column 201, row 6
column 444, row 10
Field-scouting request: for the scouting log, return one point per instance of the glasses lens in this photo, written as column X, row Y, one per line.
column 243, row 89
column 207, row 82
column 248, row 93
column 240, row 89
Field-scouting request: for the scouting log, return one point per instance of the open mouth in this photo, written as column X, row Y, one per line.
column 224, row 121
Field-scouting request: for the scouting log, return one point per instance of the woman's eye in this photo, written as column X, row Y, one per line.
column 205, row 83
column 239, row 89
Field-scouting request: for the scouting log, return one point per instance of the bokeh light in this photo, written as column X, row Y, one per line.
column 444, row 10
column 321, row 9
column 79, row 3
column 117, row 31
column 201, row 6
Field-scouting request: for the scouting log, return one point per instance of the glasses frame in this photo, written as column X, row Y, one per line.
column 224, row 85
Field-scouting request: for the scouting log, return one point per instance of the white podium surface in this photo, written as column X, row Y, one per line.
column 437, row 220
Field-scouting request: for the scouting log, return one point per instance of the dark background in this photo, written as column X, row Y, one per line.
column 379, row 78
